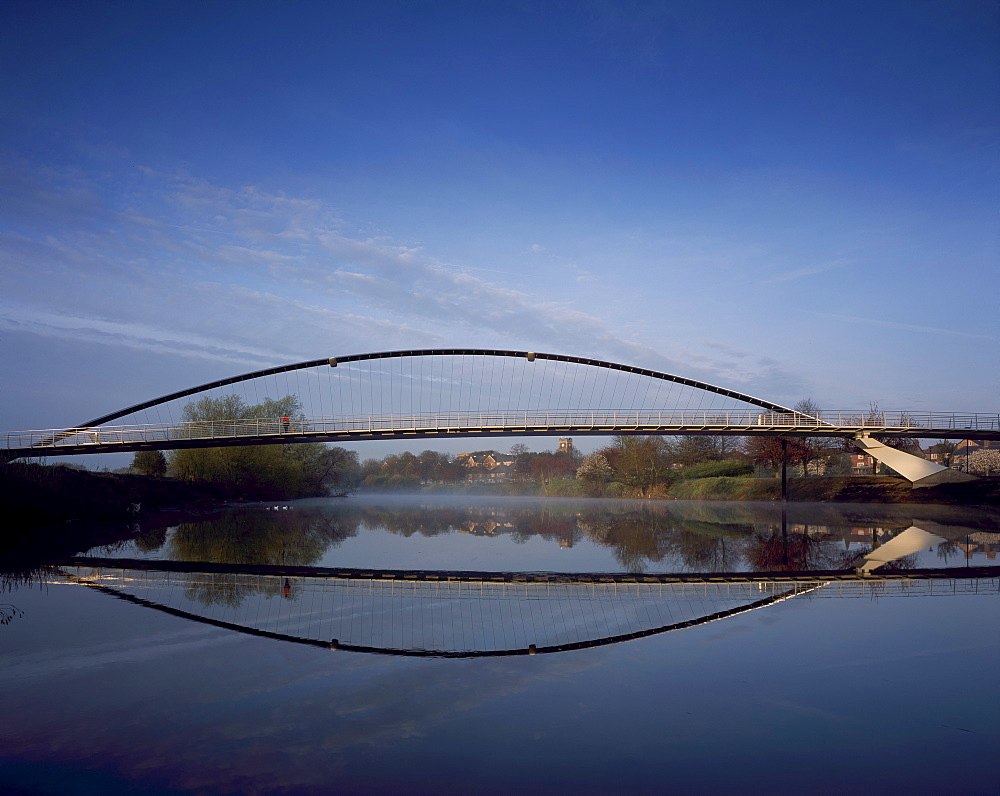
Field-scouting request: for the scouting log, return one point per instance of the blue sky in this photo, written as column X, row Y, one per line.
column 789, row 199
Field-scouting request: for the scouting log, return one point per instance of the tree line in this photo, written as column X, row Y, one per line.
column 633, row 465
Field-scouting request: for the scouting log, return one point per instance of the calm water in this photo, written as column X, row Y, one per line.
column 129, row 678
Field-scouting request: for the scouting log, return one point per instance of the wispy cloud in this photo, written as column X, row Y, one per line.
column 809, row 270
column 251, row 277
column 910, row 327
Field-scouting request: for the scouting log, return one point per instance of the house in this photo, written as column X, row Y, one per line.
column 485, row 465
column 861, row 464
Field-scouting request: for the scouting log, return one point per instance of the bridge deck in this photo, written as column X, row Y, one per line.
column 269, row 431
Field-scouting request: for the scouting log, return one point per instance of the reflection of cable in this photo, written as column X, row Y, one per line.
column 499, row 595
column 439, row 653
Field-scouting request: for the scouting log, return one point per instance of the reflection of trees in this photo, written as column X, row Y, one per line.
column 698, row 537
column 557, row 523
column 556, row 526
column 638, row 534
column 408, row 521
column 258, row 537
column 151, row 539
column 640, row 537
column 776, row 551
column 228, row 589
column 254, row 537
column 635, row 541
column 948, row 549
column 111, row 549
column 705, row 551
column 9, row 612
column 771, row 549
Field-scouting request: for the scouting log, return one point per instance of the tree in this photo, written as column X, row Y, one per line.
column 262, row 471
column 810, row 449
column 945, row 449
column 985, row 461
column 331, row 470
column 641, row 462
column 432, row 466
column 769, row 452
column 522, row 462
column 546, row 466
column 152, row 463
column 692, row 449
column 595, row 471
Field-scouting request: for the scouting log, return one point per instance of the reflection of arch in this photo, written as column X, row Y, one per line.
column 531, row 649
column 331, row 612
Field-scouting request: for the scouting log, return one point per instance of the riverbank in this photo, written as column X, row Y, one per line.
column 840, row 489
column 52, row 511
column 32, row 495
column 818, row 489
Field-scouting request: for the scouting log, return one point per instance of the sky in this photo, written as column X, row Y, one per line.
column 793, row 200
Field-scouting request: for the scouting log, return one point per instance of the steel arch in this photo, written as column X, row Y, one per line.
column 485, row 352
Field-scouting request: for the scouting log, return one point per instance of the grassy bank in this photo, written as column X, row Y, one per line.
column 846, row 489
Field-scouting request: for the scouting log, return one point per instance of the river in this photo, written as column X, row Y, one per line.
column 446, row 644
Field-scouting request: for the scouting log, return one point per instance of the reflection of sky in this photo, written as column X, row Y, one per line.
column 831, row 695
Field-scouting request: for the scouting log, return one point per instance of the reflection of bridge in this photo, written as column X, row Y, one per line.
column 478, row 614
column 486, row 393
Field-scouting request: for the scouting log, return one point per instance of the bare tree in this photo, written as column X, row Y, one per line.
column 811, row 449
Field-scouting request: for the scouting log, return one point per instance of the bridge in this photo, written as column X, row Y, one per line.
column 468, row 392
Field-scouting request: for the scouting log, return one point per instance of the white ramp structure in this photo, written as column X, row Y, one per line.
column 920, row 472
column 912, row 540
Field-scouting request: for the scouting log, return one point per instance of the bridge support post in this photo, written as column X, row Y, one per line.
column 784, row 470
column 920, row 472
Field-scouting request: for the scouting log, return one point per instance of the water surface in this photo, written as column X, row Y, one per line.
column 878, row 688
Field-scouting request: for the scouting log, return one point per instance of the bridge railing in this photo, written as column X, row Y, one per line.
column 438, row 423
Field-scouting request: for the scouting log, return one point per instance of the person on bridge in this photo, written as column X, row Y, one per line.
column 285, row 422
